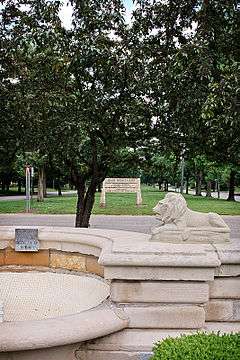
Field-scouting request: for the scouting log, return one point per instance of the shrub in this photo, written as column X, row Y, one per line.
column 200, row 346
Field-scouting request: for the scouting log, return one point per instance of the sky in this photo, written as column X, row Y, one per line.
column 66, row 12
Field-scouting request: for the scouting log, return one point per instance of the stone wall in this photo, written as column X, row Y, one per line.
column 52, row 259
column 162, row 289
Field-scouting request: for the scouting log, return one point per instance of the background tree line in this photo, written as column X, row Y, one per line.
column 84, row 102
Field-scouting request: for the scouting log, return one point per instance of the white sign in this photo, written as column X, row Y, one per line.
column 121, row 185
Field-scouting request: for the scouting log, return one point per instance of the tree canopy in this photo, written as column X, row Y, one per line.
column 167, row 85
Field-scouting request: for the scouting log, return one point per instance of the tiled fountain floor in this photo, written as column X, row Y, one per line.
column 36, row 295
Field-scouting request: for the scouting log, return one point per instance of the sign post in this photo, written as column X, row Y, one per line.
column 28, row 188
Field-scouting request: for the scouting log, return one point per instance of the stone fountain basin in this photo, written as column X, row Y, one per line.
column 44, row 309
column 37, row 296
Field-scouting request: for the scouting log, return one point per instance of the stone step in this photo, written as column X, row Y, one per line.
column 165, row 316
column 159, row 291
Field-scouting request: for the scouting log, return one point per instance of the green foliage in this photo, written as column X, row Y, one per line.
column 199, row 347
column 160, row 167
column 168, row 81
column 190, row 55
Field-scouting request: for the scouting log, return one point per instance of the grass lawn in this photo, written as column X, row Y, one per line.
column 121, row 204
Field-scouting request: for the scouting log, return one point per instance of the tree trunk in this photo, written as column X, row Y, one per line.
column 214, row 186
column 165, row 186
column 209, row 188
column 86, row 199
column 58, row 187
column 85, row 203
column 199, row 183
column 231, row 194
column 40, row 196
column 19, row 186
column 6, row 181
column 44, row 183
column 160, row 185
column 7, row 186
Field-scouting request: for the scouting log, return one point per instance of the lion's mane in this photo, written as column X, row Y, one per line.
column 174, row 206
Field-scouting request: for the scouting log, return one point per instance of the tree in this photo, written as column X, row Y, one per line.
column 162, row 169
column 30, row 81
column 76, row 89
column 103, row 111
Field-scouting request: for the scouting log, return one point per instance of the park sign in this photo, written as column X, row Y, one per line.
column 121, row 185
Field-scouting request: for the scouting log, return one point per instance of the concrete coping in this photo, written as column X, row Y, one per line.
column 125, row 248
column 26, row 335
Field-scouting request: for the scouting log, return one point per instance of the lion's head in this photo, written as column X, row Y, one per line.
column 171, row 208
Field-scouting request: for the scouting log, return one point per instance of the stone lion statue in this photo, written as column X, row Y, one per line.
column 180, row 224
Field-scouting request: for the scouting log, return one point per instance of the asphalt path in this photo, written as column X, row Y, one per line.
column 223, row 195
column 141, row 224
column 23, row 197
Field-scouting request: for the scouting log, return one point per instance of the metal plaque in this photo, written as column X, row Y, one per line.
column 26, row 240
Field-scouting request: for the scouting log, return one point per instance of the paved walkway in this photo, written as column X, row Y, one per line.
column 141, row 224
column 223, row 195
column 23, row 197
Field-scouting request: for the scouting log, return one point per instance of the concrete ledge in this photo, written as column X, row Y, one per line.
column 165, row 317
column 228, row 270
column 222, row 327
column 60, row 238
column 124, row 255
column 110, row 355
column 27, row 335
column 120, row 248
column 66, row 352
column 223, row 310
column 136, row 340
column 229, row 253
column 159, row 254
column 219, row 310
column 159, row 292
column 133, row 340
column 225, row 288
column 158, row 273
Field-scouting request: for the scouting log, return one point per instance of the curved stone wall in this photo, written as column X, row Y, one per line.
column 53, row 259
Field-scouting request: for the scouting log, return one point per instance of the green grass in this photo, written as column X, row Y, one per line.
column 121, row 204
